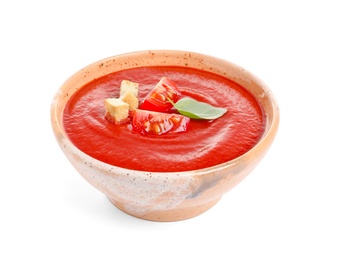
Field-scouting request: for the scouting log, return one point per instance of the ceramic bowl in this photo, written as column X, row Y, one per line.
column 168, row 196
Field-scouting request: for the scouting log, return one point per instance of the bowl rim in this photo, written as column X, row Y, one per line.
column 266, row 140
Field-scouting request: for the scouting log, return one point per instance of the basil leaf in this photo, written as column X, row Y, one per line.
column 198, row 110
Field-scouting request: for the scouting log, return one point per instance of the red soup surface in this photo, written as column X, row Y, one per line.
column 206, row 143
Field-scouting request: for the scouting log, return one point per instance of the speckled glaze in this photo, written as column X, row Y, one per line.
column 165, row 196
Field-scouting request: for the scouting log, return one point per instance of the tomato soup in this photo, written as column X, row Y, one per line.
column 206, row 142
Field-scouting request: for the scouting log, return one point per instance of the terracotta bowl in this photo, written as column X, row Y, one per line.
column 168, row 196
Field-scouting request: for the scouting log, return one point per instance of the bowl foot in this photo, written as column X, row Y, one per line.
column 168, row 215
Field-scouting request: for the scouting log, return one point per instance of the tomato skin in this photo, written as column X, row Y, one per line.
column 158, row 98
column 157, row 123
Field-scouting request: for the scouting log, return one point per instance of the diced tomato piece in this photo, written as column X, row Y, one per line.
column 158, row 97
column 157, row 123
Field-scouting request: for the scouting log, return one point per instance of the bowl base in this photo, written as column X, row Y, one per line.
column 170, row 215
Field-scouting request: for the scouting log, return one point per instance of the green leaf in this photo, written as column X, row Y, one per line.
column 198, row 110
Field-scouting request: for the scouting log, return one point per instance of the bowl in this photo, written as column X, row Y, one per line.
column 166, row 196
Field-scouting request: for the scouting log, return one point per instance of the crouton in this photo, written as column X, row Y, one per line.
column 130, row 99
column 117, row 111
column 128, row 86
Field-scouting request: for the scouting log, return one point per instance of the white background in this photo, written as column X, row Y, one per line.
column 286, row 208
